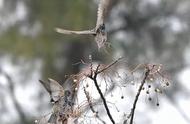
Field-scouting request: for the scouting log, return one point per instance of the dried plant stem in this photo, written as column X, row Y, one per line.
column 103, row 98
column 93, row 76
column 137, row 95
column 108, row 66
column 89, row 100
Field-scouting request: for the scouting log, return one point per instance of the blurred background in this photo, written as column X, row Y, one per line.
column 143, row 31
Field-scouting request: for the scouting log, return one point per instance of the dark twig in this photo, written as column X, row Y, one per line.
column 103, row 98
column 93, row 76
column 138, row 94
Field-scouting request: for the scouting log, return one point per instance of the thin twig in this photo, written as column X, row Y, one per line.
column 108, row 66
column 138, row 94
column 103, row 98
column 89, row 100
column 93, row 76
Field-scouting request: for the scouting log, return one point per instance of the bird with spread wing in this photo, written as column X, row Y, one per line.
column 99, row 31
column 61, row 100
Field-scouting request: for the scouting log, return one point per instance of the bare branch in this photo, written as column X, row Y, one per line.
column 93, row 76
column 103, row 99
column 138, row 94
column 110, row 65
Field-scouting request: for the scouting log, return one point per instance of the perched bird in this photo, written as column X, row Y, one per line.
column 61, row 100
column 100, row 30
column 54, row 89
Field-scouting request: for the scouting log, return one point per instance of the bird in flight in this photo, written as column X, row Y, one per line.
column 100, row 30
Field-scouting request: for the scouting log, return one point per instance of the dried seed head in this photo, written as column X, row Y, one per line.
column 149, row 98
column 151, row 79
column 154, row 68
column 159, row 68
column 75, row 80
column 167, row 83
column 158, row 90
column 76, row 89
column 147, row 92
column 122, row 97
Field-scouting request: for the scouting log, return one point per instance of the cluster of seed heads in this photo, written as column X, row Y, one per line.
column 157, row 79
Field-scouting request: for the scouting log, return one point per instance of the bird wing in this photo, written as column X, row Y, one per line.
column 54, row 89
column 57, row 90
column 63, row 31
column 46, row 86
column 102, row 12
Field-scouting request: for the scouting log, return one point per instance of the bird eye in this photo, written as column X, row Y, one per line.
column 52, row 101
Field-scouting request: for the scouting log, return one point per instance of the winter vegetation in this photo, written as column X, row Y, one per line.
column 94, row 61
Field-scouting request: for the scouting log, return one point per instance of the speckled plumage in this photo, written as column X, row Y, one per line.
column 61, row 102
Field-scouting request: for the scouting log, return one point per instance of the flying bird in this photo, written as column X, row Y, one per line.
column 100, row 30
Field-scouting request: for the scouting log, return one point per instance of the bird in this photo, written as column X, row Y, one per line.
column 99, row 31
column 60, row 98
column 55, row 90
